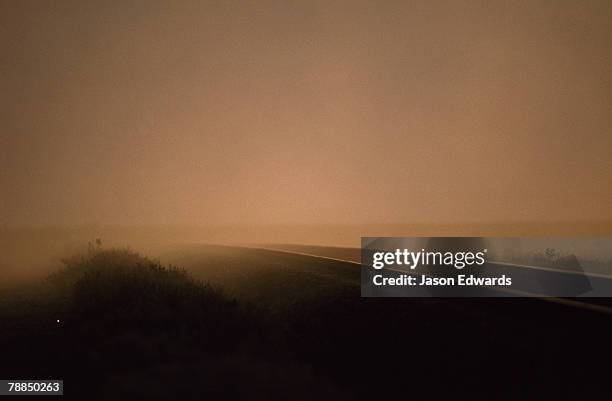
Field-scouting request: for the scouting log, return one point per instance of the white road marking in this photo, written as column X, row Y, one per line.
column 562, row 301
column 552, row 269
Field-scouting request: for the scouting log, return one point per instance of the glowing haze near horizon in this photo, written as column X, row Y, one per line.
column 305, row 112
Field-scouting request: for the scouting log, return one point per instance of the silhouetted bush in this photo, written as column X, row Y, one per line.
column 117, row 291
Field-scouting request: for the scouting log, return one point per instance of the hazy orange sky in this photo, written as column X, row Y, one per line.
column 186, row 112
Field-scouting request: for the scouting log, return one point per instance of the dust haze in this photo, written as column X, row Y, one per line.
column 150, row 123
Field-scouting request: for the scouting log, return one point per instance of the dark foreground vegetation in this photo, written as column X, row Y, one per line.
column 130, row 328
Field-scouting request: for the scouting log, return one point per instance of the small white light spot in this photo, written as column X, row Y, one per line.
column 58, row 320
